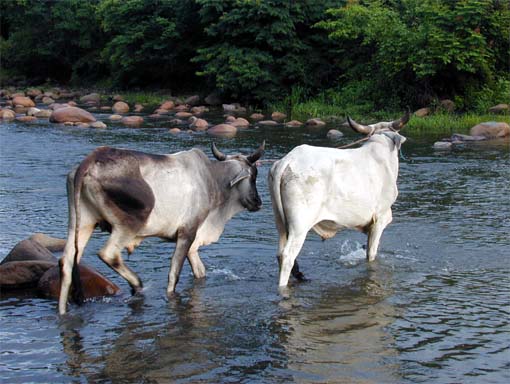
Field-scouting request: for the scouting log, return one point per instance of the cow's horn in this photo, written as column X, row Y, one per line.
column 257, row 154
column 399, row 124
column 358, row 127
column 216, row 152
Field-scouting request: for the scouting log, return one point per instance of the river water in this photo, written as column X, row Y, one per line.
column 433, row 308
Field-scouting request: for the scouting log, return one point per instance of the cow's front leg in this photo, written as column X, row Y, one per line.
column 182, row 247
column 197, row 266
column 375, row 233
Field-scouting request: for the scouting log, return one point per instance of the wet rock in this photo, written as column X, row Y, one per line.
column 120, row 107
column 334, row 134
column 26, row 119
column 20, row 109
column 132, row 120
column 491, row 129
column 56, row 106
column 47, row 100
column 192, row 100
column 174, row 131
column 34, row 92
column 500, row 108
column 268, row 122
column 33, row 111
column 23, row 101
column 7, row 114
column 93, row 283
column 240, row 122
column 176, row 122
column 225, row 130
column 256, row 116
column 92, row 98
column 71, row 114
column 457, row 137
column 98, row 124
column 199, row 110
column 43, row 113
column 213, row 99
column 315, row 122
column 442, row 145
column 138, row 108
column 294, row 124
column 52, row 244
column 23, row 274
column 167, row 105
column 82, row 125
column 115, row 117
column 278, row 116
column 161, row 111
column 183, row 115
column 230, row 119
column 105, row 108
column 181, row 108
column 422, row 112
column 198, row 124
column 27, row 250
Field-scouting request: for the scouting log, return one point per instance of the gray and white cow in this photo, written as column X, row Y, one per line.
column 183, row 197
column 330, row 189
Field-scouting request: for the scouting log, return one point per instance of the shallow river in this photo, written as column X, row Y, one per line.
column 433, row 308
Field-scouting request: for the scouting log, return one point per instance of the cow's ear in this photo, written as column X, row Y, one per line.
column 398, row 140
column 240, row 176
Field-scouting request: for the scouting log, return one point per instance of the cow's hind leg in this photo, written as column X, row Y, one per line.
column 67, row 261
column 289, row 254
column 111, row 254
column 375, row 233
column 184, row 241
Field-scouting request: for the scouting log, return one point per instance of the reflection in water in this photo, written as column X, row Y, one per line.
column 335, row 337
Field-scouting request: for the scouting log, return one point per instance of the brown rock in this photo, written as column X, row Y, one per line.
column 92, row 98
column 167, row 105
column 224, row 130
column 174, row 131
column 26, row 119
column 29, row 249
column 315, row 122
column 23, row 101
column 47, row 100
column 192, row 100
column 199, row 110
column 447, row 105
column 23, row 274
column 120, row 107
column 34, row 92
column 132, row 120
column 7, row 114
column 115, row 117
column 294, row 124
column 183, row 115
column 138, row 108
column 422, row 112
column 278, row 116
column 267, row 122
column 93, row 283
column 256, row 116
column 182, row 107
column 98, row 124
column 500, row 108
column 198, row 124
column 52, row 244
column 240, row 123
column 491, row 129
column 43, row 113
column 71, row 114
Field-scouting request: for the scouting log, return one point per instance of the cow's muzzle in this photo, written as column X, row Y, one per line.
column 253, row 205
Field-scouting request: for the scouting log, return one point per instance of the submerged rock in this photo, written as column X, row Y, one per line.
column 23, row 274
column 334, row 134
column 225, row 130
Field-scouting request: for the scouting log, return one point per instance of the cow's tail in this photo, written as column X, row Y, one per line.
column 275, row 175
column 77, row 288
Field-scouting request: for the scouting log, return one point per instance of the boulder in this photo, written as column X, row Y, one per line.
column 33, row 111
column 138, row 108
column 316, row 122
column 192, row 100
column 174, row 131
column 20, row 109
column 256, row 116
column 92, row 98
column 120, row 107
column 43, row 113
column 7, row 114
column 26, row 119
column 47, row 100
column 132, row 120
column 34, row 92
column 422, row 112
column 56, row 106
column 278, row 116
column 294, row 124
column 267, row 122
column 167, row 105
column 500, row 108
column 29, row 250
column 23, row 101
column 52, row 244
column 23, row 274
column 71, row 114
column 224, row 130
column 181, row 107
column 93, row 283
column 447, row 105
column 115, row 117
column 183, row 115
column 442, row 145
column 240, row 123
column 199, row 110
column 491, row 129
column 198, row 124
column 98, row 124
column 213, row 99
column 334, row 134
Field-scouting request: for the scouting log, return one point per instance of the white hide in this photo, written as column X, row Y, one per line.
column 329, row 189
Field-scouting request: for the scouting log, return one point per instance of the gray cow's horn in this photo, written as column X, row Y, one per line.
column 399, row 124
column 217, row 153
column 366, row 130
column 257, row 154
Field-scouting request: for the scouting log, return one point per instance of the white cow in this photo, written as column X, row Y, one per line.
column 330, row 189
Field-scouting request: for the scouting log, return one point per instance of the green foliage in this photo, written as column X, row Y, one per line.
column 443, row 123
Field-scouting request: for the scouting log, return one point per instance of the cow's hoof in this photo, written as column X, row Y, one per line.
column 299, row 276
column 136, row 291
